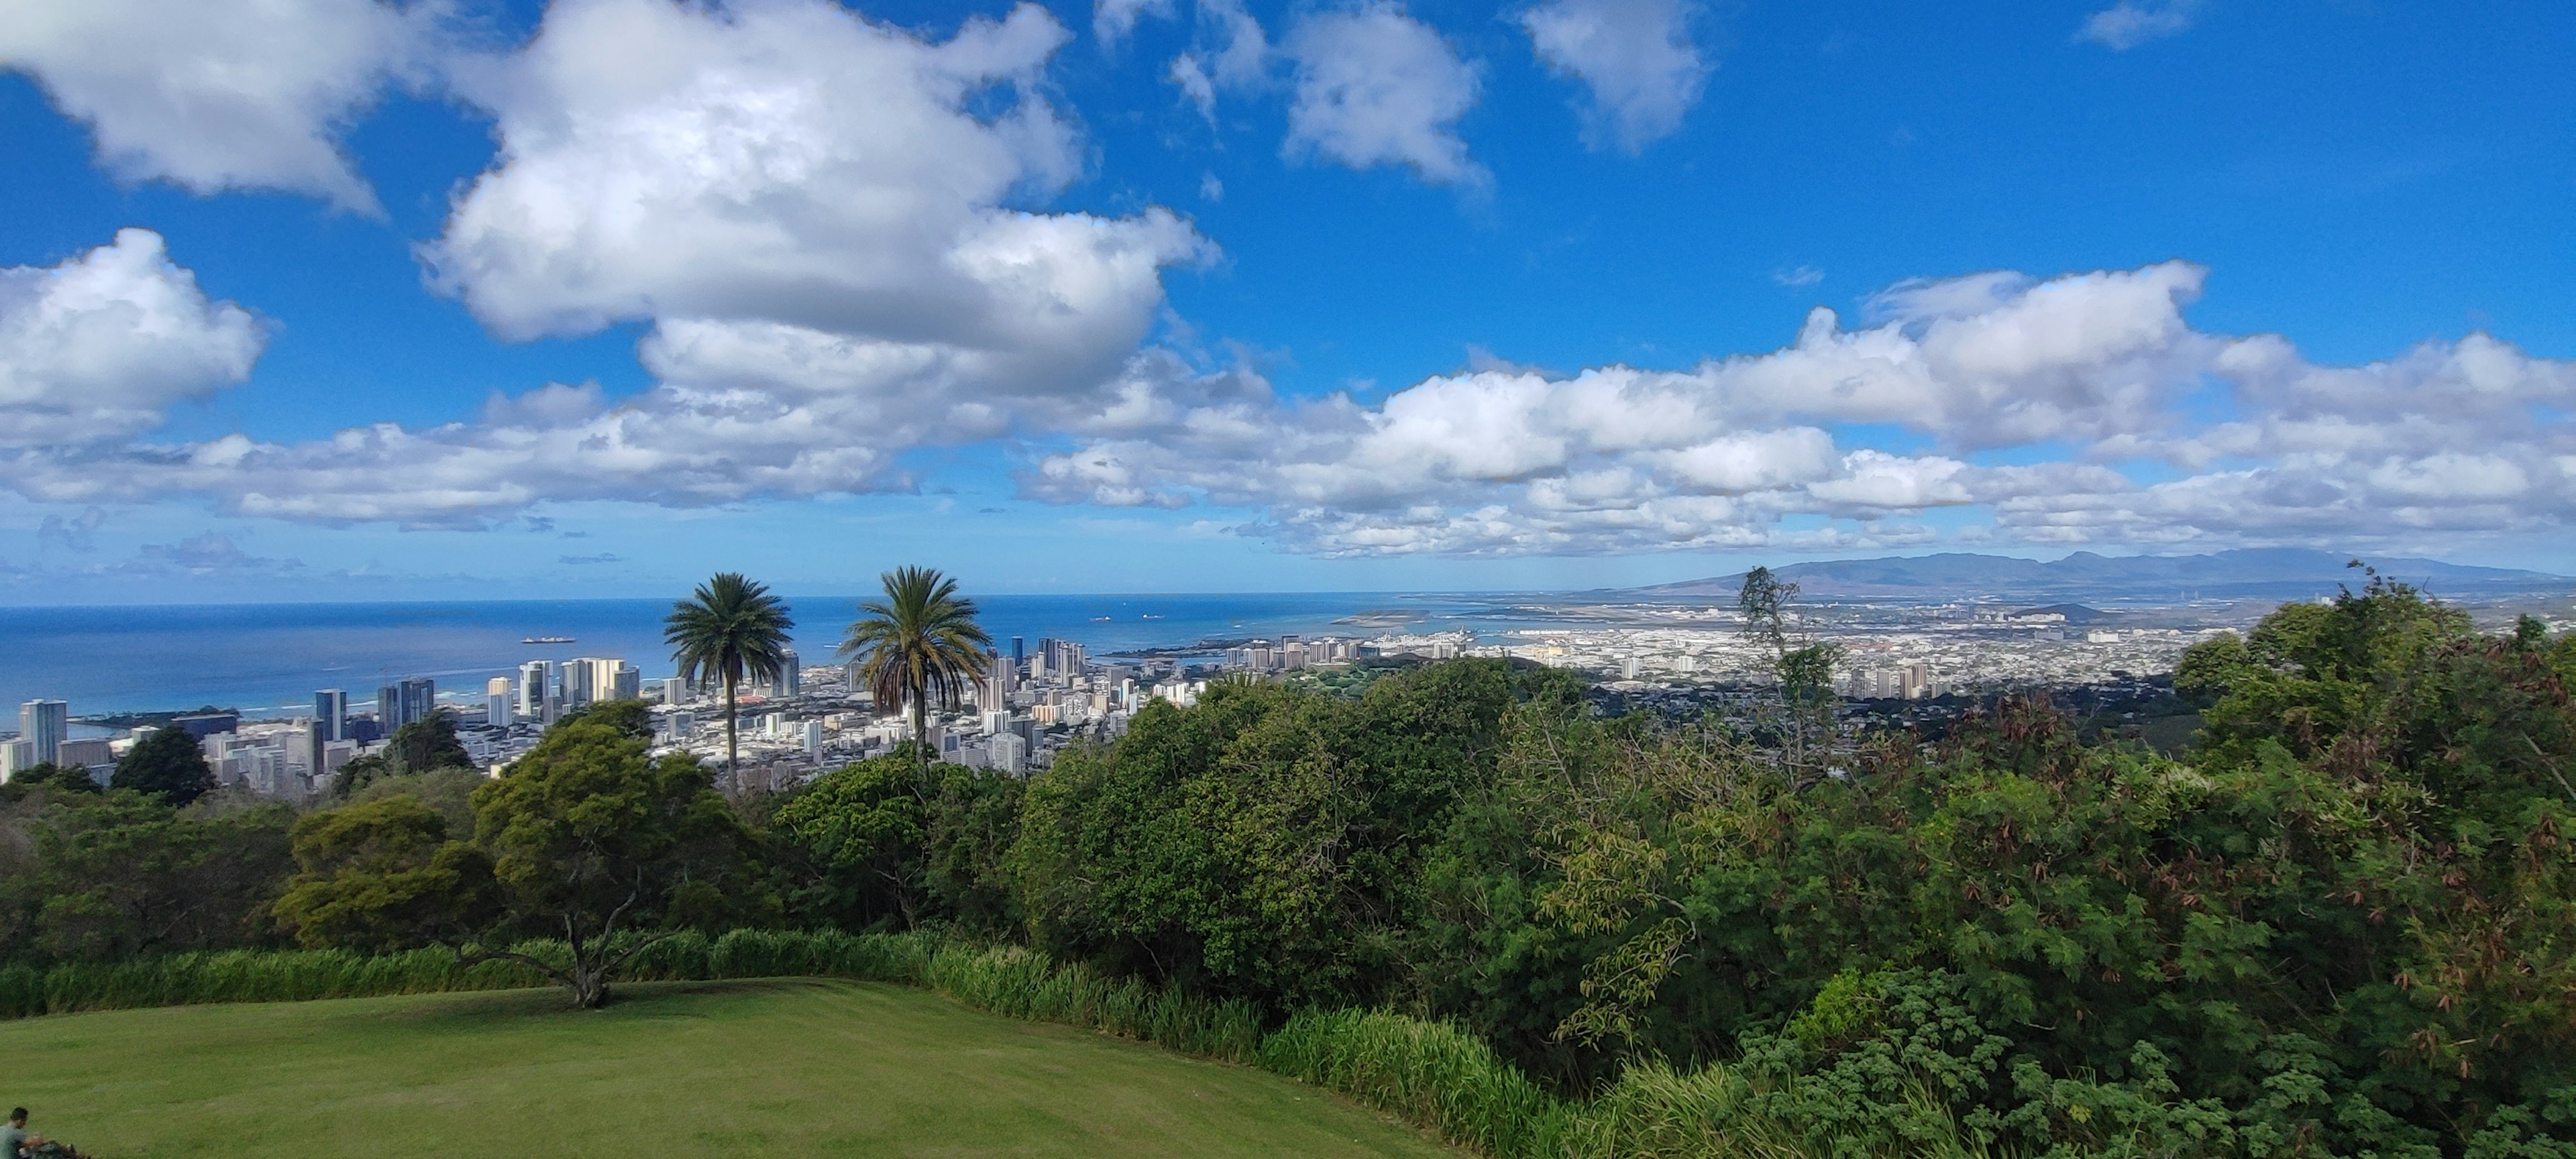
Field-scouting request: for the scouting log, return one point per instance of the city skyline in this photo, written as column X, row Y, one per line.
column 1376, row 297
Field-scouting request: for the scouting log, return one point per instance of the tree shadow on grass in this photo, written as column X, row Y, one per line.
column 627, row 1001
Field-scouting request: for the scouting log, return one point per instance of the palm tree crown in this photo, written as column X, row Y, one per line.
column 918, row 645
column 730, row 631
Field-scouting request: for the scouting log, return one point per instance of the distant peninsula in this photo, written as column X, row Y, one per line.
column 2250, row 573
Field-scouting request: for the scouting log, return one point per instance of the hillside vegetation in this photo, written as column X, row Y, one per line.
column 2339, row 924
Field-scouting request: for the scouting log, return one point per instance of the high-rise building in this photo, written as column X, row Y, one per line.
column 683, row 724
column 16, row 756
column 496, row 702
column 413, row 700
column 419, row 698
column 580, row 682
column 814, row 739
column 44, row 724
column 675, row 691
column 1010, row 753
column 791, row 673
column 331, row 714
column 536, row 691
column 997, row 682
column 624, row 682
column 1019, row 652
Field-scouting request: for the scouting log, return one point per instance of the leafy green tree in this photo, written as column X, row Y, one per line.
column 359, row 772
column 426, row 744
column 63, row 778
column 1266, row 843
column 918, row 645
column 864, row 829
column 593, row 841
column 382, row 875
column 168, row 764
column 448, row 792
column 115, row 876
column 729, row 631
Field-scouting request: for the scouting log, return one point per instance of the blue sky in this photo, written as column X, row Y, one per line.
column 1438, row 295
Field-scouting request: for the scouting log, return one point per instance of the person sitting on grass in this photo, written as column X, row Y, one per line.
column 16, row 1143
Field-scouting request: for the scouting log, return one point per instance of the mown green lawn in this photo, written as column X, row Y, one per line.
column 789, row 1067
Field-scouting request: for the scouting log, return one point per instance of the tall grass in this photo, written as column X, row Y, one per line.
column 1448, row 1081
column 1427, row 1072
column 1023, row 983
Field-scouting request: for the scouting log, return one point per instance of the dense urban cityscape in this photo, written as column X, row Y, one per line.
column 1036, row 697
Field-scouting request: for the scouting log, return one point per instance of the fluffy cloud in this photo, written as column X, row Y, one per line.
column 1233, row 54
column 1112, row 20
column 1376, row 87
column 1635, row 58
column 102, row 345
column 2097, row 374
column 219, row 96
column 808, row 208
column 2130, row 23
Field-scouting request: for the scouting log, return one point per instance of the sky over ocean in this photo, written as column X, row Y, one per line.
column 492, row 299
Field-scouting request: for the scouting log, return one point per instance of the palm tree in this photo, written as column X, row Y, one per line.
column 731, row 630
column 918, row 643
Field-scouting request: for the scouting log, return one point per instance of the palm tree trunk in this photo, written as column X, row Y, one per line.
column 920, row 729
column 733, row 774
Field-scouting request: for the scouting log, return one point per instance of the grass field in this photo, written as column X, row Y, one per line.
column 789, row 1067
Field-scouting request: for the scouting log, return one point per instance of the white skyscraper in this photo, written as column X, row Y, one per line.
column 536, row 698
column 43, row 724
column 1010, row 753
column 814, row 739
column 496, row 702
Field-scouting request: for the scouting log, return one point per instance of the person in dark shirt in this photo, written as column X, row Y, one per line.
column 16, row 1143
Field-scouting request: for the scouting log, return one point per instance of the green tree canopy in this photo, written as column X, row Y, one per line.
column 425, row 744
column 123, row 874
column 168, row 764
column 382, row 875
column 594, row 842
column 65, row 778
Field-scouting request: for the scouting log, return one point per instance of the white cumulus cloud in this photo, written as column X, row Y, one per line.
column 810, row 210
column 1640, row 69
column 102, row 345
column 1377, row 87
column 2098, row 376
column 217, row 96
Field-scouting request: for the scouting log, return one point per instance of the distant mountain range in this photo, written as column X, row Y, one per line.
column 2253, row 573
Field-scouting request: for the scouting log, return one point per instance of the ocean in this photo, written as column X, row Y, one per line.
column 270, row 658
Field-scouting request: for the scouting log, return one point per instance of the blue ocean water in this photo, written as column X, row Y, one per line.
column 271, row 657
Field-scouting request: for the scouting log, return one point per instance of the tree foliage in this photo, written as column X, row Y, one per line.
column 589, row 838
column 426, row 744
column 106, row 877
column 166, row 763
column 382, row 875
